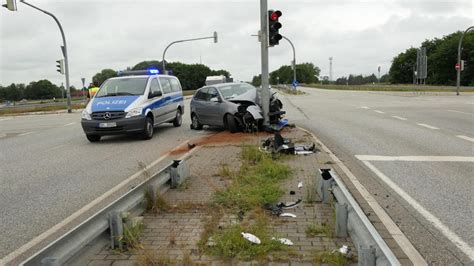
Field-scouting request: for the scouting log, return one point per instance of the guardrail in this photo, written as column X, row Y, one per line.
column 71, row 243
column 352, row 221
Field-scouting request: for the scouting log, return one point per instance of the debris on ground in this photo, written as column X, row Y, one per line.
column 284, row 241
column 251, row 238
column 279, row 144
column 191, row 146
column 300, row 184
column 287, row 214
column 289, row 205
column 344, row 250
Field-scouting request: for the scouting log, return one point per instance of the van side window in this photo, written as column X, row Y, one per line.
column 175, row 87
column 165, row 85
column 154, row 86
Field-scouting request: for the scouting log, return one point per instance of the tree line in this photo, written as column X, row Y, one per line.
column 360, row 79
column 191, row 76
column 305, row 73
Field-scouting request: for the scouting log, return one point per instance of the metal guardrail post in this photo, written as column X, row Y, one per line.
column 366, row 256
column 341, row 220
column 325, row 183
column 116, row 229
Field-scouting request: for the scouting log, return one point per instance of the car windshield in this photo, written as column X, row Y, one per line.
column 234, row 90
column 124, row 86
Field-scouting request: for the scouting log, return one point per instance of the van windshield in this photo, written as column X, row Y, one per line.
column 124, row 86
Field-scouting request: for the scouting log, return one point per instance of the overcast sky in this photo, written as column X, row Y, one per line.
column 359, row 35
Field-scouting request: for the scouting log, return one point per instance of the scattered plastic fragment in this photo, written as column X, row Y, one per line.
column 251, row 238
column 288, row 205
column 300, row 184
column 284, row 241
column 344, row 250
column 292, row 192
column 191, row 145
column 274, row 208
column 287, row 214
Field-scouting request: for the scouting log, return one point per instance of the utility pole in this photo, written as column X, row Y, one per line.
column 63, row 49
column 330, row 68
column 265, row 92
column 458, row 65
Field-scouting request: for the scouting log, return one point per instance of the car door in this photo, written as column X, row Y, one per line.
column 168, row 106
column 200, row 104
column 215, row 107
column 158, row 113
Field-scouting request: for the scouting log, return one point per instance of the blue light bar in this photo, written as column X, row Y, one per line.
column 153, row 71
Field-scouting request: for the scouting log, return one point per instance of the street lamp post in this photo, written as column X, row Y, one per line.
column 294, row 57
column 64, row 50
column 458, row 70
column 186, row 40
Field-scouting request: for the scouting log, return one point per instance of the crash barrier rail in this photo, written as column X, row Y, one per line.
column 109, row 218
column 351, row 221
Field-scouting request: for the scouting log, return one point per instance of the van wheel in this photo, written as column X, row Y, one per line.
column 231, row 125
column 148, row 130
column 93, row 138
column 195, row 122
column 178, row 119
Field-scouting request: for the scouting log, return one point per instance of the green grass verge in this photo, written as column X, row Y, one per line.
column 331, row 258
column 20, row 110
column 386, row 87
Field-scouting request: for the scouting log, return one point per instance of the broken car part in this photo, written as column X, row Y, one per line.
column 251, row 238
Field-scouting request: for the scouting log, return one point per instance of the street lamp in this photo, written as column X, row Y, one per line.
column 458, row 65
column 294, row 59
column 186, row 40
column 63, row 49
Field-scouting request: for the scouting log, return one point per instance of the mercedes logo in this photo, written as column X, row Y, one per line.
column 107, row 116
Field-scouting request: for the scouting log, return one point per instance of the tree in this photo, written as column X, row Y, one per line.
column 148, row 64
column 305, row 73
column 103, row 75
column 42, row 89
column 257, row 80
column 403, row 65
column 13, row 92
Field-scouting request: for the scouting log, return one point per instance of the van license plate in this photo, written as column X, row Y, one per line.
column 113, row 124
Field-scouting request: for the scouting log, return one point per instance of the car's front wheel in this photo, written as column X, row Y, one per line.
column 93, row 138
column 148, row 130
column 231, row 125
column 195, row 122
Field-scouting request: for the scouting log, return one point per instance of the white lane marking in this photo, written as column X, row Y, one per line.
column 2, row 135
column 5, row 119
column 453, row 237
column 378, row 111
column 454, row 111
column 405, row 244
column 26, row 133
column 18, row 252
column 55, row 147
column 428, row 126
column 69, row 124
column 415, row 158
column 364, row 107
column 466, row 138
column 399, row 117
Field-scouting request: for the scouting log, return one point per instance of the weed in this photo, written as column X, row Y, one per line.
column 132, row 230
column 149, row 258
column 322, row 229
column 251, row 154
column 211, row 223
column 172, row 238
column 311, row 195
column 331, row 258
column 155, row 203
column 224, row 171
column 183, row 185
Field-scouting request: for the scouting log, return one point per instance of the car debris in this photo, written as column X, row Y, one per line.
column 279, row 144
column 289, row 205
column 284, row 241
column 287, row 214
column 300, row 184
column 191, row 146
column 251, row 238
column 344, row 250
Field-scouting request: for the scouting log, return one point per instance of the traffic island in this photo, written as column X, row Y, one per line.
column 230, row 201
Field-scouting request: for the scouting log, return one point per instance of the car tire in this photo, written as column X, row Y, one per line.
column 231, row 125
column 178, row 119
column 93, row 138
column 195, row 122
column 148, row 129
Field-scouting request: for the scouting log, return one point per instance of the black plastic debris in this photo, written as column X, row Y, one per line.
column 292, row 192
column 273, row 208
column 288, row 205
column 279, row 144
column 191, row 145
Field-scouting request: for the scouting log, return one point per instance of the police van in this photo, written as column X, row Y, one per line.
column 133, row 103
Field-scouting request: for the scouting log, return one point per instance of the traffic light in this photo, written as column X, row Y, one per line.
column 11, row 5
column 60, row 66
column 273, row 27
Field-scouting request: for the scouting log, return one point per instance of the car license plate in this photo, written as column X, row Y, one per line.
column 113, row 124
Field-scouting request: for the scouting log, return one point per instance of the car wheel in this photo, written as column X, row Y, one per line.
column 231, row 125
column 93, row 138
column 195, row 123
column 148, row 130
column 178, row 119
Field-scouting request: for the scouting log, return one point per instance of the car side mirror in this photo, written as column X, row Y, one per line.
column 155, row 94
column 215, row 100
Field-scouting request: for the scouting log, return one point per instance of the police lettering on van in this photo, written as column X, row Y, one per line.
column 134, row 102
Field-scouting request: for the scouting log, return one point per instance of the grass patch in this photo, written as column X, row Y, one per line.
column 155, row 202
column 324, row 229
column 388, row 87
column 331, row 258
column 20, row 110
column 224, row 171
column 132, row 230
column 311, row 195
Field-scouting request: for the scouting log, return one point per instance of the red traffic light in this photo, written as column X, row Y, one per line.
column 275, row 15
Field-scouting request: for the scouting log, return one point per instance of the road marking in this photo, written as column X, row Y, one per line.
column 399, row 117
column 26, row 133
column 69, row 124
column 427, row 126
column 35, row 241
column 380, row 112
column 56, row 147
column 5, row 119
column 415, row 158
column 460, row 112
column 399, row 237
column 466, row 138
column 453, row 237
column 2, row 135
column 365, row 107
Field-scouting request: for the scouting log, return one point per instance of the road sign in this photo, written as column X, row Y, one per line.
column 295, row 84
column 457, row 66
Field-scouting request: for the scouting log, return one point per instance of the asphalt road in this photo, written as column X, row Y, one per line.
column 49, row 170
column 414, row 153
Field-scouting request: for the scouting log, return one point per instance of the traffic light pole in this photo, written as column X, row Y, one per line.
column 64, row 50
column 187, row 40
column 458, row 79
column 265, row 92
column 294, row 57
